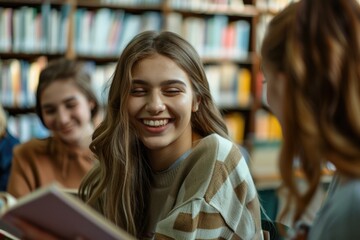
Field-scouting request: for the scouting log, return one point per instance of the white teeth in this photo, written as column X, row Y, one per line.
column 155, row 123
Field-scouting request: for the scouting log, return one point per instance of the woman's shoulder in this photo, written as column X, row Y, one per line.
column 344, row 190
column 216, row 144
column 9, row 139
column 229, row 165
column 225, row 152
column 214, row 163
column 31, row 146
column 342, row 206
column 216, row 175
column 349, row 195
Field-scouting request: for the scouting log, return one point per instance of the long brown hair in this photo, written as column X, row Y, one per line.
column 118, row 185
column 316, row 44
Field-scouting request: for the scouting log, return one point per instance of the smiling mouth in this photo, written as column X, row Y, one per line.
column 156, row 123
column 66, row 130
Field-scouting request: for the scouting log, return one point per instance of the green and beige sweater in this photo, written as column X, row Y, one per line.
column 208, row 195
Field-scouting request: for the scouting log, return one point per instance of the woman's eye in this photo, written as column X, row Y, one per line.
column 137, row 91
column 71, row 105
column 49, row 111
column 172, row 91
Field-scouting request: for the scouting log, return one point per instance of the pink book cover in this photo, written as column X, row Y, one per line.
column 62, row 214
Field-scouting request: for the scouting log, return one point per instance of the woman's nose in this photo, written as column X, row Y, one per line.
column 63, row 116
column 155, row 104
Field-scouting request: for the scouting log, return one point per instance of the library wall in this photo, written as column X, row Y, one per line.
column 96, row 31
column 227, row 35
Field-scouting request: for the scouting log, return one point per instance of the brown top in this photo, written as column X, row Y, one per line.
column 40, row 162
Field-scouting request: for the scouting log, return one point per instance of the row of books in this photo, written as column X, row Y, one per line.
column 132, row 2
column 235, row 123
column 106, row 31
column 206, row 4
column 267, row 133
column 273, row 5
column 215, row 36
column 267, row 127
column 202, row 4
column 27, row 126
column 28, row 29
column 19, row 80
column 230, row 85
column 101, row 77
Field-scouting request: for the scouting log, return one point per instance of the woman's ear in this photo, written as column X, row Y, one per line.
column 196, row 104
column 92, row 105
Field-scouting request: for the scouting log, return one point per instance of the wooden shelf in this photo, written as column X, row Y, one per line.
column 94, row 4
column 246, row 11
column 98, row 59
column 30, row 56
column 17, row 110
column 21, row 3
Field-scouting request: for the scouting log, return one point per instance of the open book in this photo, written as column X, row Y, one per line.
column 62, row 214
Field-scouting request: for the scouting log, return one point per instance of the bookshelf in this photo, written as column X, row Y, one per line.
column 267, row 138
column 227, row 36
column 95, row 31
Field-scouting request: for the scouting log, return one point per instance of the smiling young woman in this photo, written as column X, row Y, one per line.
column 167, row 169
column 66, row 106
column 160, row 106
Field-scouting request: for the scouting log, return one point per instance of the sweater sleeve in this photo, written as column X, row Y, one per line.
column 7, row 144
column 19, row 183
column 213, row 196
column 230, row 208
column 195, row 220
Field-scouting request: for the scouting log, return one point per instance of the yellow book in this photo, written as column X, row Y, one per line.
column 262, row 125
column 275, row 133
column 33, row 78
column 15, row 76
column 244, row 87
column 236, row 126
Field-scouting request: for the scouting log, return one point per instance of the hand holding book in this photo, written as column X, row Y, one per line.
column 60, row 214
